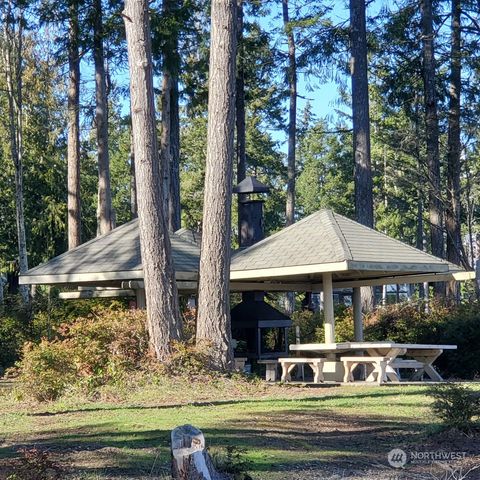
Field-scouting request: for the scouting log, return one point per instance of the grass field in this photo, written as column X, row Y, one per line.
column 287, row 432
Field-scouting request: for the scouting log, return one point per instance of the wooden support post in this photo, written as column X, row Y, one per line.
column 141, row 300
column 357, row 314
column 329, row 316
column 259, row 342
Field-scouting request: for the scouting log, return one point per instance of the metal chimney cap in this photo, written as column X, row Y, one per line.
column 250, row 184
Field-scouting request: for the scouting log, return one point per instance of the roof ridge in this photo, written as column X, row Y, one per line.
column 403, row 244
column 179, row 235
column 336, row 227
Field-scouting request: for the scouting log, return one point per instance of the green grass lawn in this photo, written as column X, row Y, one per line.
column 281, row 429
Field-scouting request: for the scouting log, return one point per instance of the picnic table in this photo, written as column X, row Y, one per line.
column 420, row 357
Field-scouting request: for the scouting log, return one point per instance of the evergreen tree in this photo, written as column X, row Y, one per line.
column 163, row 314
column 213, row 320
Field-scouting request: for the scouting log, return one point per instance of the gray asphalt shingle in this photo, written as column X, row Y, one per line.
column 327, row 237
column 118, row 251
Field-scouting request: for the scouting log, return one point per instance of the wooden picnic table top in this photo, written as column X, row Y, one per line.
column 346, row 346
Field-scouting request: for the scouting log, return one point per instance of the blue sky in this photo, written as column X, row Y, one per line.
column 322, row 97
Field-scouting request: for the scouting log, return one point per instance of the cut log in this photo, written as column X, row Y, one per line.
column 190, row 459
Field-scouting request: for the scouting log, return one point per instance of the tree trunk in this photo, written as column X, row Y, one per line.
column 452, row 214
column 2, row 286
column 292, row 116
column 170, row 138
column 133, row 185
column 289, row 302
column 477, row 265
column 420, row 236
column 73, row 149
column 164, row 323
column 360, row 114
column 240, row 113
column 423, row 293
column 165, row 154
column 432, row 137
column 190, row 458
column 213, row 322
column 470, row 211
column 174, row 205
column 104, row 209
column 12, row 50
column 240, row 100
column 361, row 127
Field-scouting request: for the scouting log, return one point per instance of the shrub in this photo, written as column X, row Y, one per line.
column 308, row 322
column 95, row 350
column 409, row 323
column 47, row 369
column 461, row 327
column 403, row 323
column 189, row 317
column 344, row 331
column 107, row 343
column 311, row 325
column 12, row 337
column 49, row 312
column 40, row 320
column 188, row 359
column 455, row 405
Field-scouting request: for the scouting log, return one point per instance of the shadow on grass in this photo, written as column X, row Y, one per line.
column 380, row 393
column 283, row 440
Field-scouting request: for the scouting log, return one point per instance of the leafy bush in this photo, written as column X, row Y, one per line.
column 344, row 331
column 49, row 312
column 47, row 370
column 456, row 405
column 409, row 323
column 311, row 325
column 12, row 337
column 106, row 343
column 403, row 323
column 188, row 359
column 104, row 348
column 461, row 327
column 189, row 317
column 95, row 350
column 41, row 320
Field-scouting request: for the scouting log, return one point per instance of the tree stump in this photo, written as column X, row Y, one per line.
column 190, row 459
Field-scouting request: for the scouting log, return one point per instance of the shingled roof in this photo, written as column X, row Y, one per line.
column 320, row 243
column 328, row 242
column 114, row 257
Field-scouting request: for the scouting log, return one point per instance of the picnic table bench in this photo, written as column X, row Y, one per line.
column 271, row 365
column 379, row 364
column 288, row 364
column 350, row 354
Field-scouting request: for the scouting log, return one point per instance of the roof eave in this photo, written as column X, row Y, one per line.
column 74, row 278
column 289, row 271
column 397, row 267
